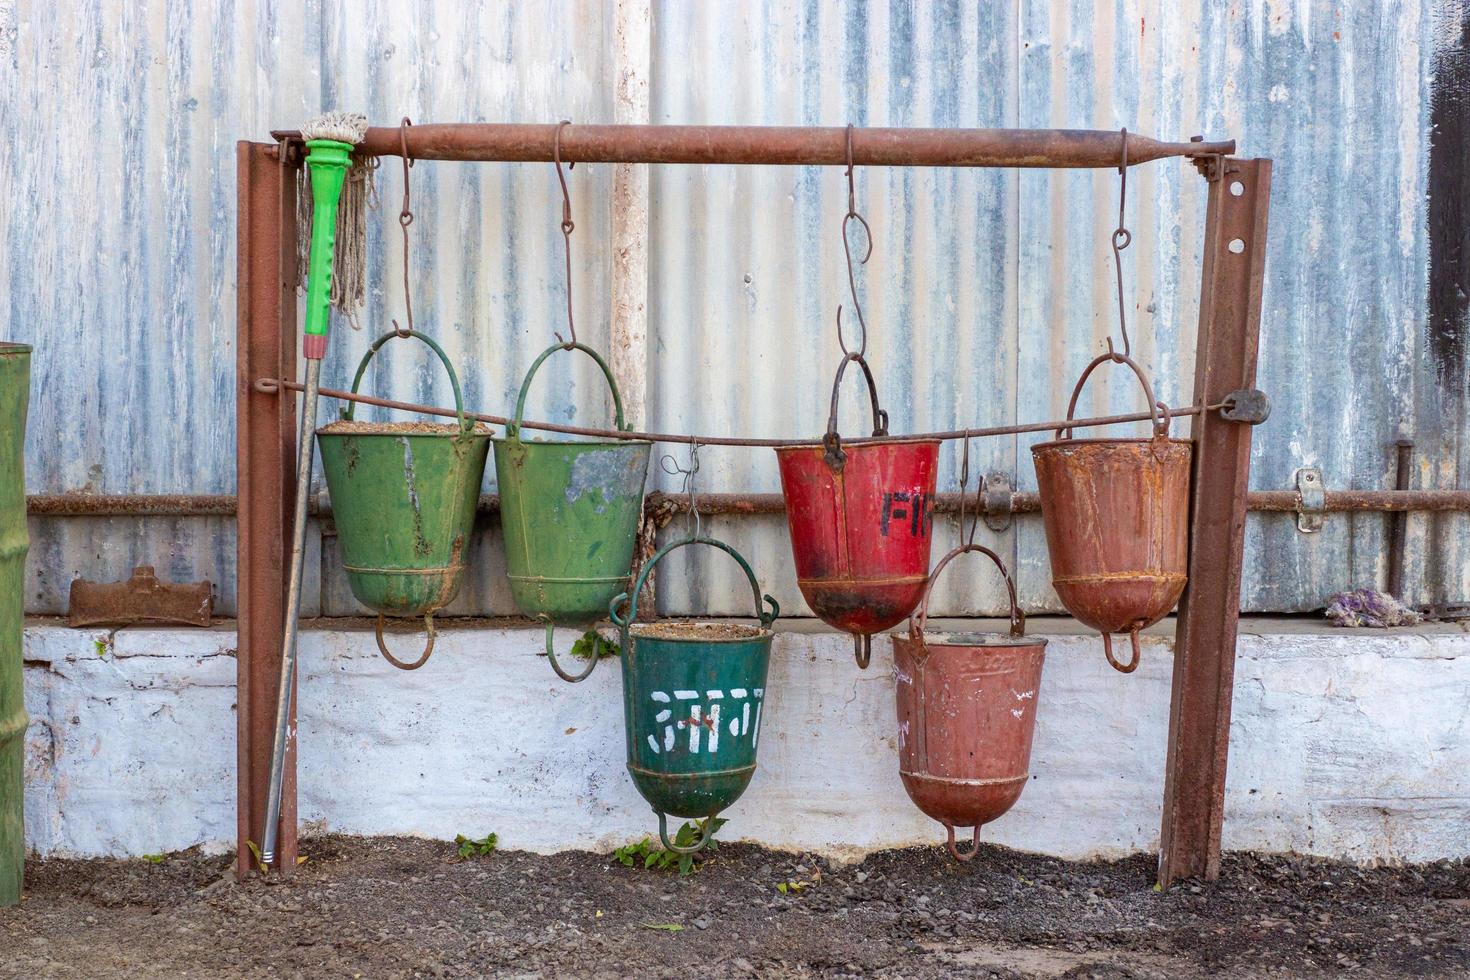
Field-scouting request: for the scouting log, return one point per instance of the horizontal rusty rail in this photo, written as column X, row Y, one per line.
column 776, row 145
column 276, row 385
column 224, row 505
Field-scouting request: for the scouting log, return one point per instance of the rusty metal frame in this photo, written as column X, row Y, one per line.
column 265, row 459
column 1225, row 362
column 1205, row 632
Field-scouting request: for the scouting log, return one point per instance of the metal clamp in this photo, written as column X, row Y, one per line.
column 1312, row 510
column 996, row 491
column 1248, row 405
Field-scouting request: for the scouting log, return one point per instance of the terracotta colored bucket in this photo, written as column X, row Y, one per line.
column 966, row 715
column 860, row 520
column 1117, row 521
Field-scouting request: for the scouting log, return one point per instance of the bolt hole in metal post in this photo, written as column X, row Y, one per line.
column 1236, row 246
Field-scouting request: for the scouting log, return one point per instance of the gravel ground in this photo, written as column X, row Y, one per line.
column 388, row 907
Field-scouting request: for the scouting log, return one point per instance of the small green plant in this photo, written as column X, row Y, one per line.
column 483, row 847
column 102, row 647
column 153, row 858
column 593, row 643
column 657, row 857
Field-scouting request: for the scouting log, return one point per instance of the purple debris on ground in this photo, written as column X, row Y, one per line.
column 1369, row 607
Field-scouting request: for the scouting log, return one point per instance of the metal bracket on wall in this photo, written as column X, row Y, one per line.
column 997, row 491
column 1312, row 510
column 1248, row 405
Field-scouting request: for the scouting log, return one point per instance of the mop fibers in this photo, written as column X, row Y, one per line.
column 359, row 192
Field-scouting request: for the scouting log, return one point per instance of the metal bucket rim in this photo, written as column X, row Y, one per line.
column 580, row 443
column 381, row 430
column 757, row 632
column 857, row 444
column 1144, row 441
column 977, row 640
column 7, row 347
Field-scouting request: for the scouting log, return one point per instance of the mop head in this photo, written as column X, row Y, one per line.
column 1367, row 607
column 359, row 192
column 344, row 127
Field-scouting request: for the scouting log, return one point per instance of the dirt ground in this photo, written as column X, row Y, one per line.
column 379, row 908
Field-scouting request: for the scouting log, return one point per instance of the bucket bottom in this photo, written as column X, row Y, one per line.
column 963, row 802
column 863, row 605
column 692, row 795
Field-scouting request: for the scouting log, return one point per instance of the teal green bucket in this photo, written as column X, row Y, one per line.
column 692, row 700
column 15, row 387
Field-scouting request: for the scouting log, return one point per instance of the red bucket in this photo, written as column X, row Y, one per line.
column 860, row 520
column 966, row 715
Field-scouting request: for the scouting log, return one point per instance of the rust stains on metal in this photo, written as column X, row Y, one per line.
column 779, row 145
column 140, row 599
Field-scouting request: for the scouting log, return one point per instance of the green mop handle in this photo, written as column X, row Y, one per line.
column 326, row 162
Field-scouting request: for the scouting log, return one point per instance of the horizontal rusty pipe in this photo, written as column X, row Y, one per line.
column 776, row 145
column 223, row 505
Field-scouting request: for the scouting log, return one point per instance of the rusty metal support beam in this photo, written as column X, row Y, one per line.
column 1204, row 639
column 265, row 460
column 1022, row 502
column 779, row 145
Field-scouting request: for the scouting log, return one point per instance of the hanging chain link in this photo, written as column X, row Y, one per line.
column 567, row 227
column 852, row 214
column 405, row 218
column 1122, row 238
column 671, row 466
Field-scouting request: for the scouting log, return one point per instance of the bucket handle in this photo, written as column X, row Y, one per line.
column 669, row 845
column 1132, row 665
column 631, row 598
column 513, row 428
column 1158, row 419
column 423, row 657
column 955, row 851
column 832, row 442
column 551, row 656
column 1018, row 618
column 464, row 424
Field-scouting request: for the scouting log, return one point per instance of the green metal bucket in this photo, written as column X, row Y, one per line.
column 15, row 387
column 692, row 697
column 570, row 514
column 403, row 499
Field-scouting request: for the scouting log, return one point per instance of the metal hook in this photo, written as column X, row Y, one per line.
column 671, row 466
column 852, row 213
column 405, row 218
column 964, row 497
column 1122, row 238
column 567, row 227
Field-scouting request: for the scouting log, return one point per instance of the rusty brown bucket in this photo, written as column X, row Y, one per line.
column 966, row 714
column 1117, row 521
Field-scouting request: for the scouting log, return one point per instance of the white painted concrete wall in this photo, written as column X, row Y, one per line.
column 1345, row 743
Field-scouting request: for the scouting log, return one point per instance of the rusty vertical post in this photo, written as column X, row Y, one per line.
column 1204, row 639
column 265, row 459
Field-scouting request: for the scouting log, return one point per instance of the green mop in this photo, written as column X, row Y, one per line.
column 329, row 142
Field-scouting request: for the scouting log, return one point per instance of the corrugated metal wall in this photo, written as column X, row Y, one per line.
column 986, row 293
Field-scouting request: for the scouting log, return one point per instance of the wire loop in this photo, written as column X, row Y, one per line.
column 671, row 466
column 1122, row 238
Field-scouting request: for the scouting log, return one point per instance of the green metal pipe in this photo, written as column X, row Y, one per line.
column 15, row 387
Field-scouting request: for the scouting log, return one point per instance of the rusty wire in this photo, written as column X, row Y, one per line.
column 671, row 466
column 405, row 218
column 852, row 212
column 964, row 496
column 567, row 227
column 1122, row 238
column 273, row 386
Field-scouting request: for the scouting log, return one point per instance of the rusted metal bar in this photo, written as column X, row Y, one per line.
column 224, row 504
column 1204, row 638
column 1398, row 528
column 276, row 385
column 131, row 505
column 780, row 145
column 265, row 453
